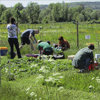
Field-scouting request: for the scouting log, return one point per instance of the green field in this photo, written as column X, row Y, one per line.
column 48, row 79
column 52, row 31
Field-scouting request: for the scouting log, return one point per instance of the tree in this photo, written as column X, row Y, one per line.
column 80, row 17
column 33, row 11
column 75, row 16
column 2, row 9
column 94, row 15
column 23, row 17
column 56, row 12
column 50, row 14
column 80, row 8
column 16, row 10
column 64, row 12
column 6, row 15
column 71, row 12
column 44, row 16
column 87, row 12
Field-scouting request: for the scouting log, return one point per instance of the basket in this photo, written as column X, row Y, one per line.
column 3, row 51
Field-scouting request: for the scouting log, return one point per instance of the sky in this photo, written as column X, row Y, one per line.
column 11, row 3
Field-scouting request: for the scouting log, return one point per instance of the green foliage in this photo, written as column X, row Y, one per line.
column 23, row 17
column 6, row 15
column 47, row 78
column 58, row 12
column 2, row 9
column 16, row 11
column 33, row 11
column 18, row 6
column 30, row 78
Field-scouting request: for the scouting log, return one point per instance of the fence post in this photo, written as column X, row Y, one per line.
column 17, row 21
column 0, row 77
column 98, row 45
column 77, row 35
column 0, row 66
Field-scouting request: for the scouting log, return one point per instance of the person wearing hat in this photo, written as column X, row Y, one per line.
column 64, row 44
column 28, row 37
column 83, row 58
column 45, row 48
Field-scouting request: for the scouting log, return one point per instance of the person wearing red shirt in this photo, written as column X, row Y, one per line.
column 64, row 44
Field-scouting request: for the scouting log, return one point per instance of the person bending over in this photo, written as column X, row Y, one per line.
column 45, row 48
column 83, row 58
column 28, row 37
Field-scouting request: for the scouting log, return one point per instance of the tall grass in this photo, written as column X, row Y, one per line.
column 35, row 83
column 52, row 31
column 57, row 80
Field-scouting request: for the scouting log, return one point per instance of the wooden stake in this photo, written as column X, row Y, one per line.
column 77, row 35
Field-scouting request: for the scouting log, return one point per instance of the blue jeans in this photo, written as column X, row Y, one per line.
column 87, row 63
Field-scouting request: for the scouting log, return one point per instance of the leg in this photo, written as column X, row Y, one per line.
column 17, row 47
column 10, row 40
column 87, row 63
column 22, row 43
column 20, row 46
column 85, row 67
column 31, row 44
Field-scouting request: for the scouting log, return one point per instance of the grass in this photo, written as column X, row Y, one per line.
column 52, row 31
column 34, row 79
column 17, row 91
column 48, row 80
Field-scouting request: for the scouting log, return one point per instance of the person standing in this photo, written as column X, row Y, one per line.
column 12, row 38
column 28, row 37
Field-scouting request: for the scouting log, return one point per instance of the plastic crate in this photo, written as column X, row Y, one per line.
column 3, row 51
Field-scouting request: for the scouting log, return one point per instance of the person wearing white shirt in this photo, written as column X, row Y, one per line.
column 12, row 38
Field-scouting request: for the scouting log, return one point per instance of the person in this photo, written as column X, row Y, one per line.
column 27, row 37
column 45, row 48
column 56, row 49
column 63, row 44
column 57, row 52
column 84, row 58
column 12, row 38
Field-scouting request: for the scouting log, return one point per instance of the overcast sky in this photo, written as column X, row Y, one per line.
column 11, row 3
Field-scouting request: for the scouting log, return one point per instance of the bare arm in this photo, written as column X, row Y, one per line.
column 35, row 39
column 30, row 37
column 31, row 41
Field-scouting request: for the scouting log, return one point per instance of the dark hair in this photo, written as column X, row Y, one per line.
column 12, row 20
column 55, row 45
column 91, row 46
column 60, row 38
column 48, row 42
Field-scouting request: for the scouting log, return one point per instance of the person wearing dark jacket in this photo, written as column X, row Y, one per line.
column 83, row 58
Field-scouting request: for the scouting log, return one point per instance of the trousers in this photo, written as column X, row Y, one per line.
column 12, row 42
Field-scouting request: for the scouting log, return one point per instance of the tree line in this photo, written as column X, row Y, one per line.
column 58, row 12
